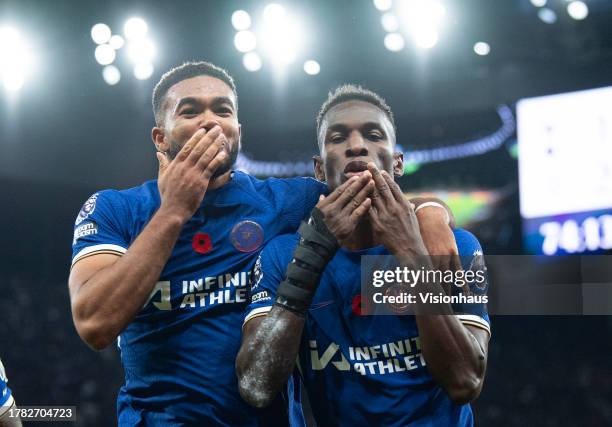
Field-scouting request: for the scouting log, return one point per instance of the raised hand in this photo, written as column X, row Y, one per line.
column 183, row 181
column 346, row 205
column 392, row 217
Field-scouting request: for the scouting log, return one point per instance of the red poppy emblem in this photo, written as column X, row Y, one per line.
column 201, row 243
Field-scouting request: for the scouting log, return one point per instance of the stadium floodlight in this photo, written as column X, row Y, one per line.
column 245, row 41
column 111, row 75
column 282, row 36
column 135, row 28
column 241, row 20
column 16, row 59
column 538, row 3
column 547, row 15
column 578, row 10
column 394, row 42
column 312, row 67
column 141, row 51
column 251, row 61
column 143, row 71
column 104, row 54
column 100, row 33
column 389, row 22
column 423, row 19
column 383, row 5
column 116, row 42
column 482, row 48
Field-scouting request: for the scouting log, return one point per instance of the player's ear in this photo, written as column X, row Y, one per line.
column 158, row 135
column 398, row 163
column 318, row 168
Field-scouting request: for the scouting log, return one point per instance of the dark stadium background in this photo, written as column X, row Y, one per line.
column 68, row 134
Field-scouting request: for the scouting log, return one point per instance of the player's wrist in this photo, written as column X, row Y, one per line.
column 173, row 216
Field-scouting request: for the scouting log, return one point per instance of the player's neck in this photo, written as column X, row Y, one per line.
column 361, row 238
column 220, row 181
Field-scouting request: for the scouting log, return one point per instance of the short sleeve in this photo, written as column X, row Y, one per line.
column 268, row 272
column 475, row 282
column 5, row 392
column 100, row 227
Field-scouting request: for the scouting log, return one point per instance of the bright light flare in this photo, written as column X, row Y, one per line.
column 482, row 48
column 241, row 20
column 245, row 41
column 111, row 75
column 100, row 33
column 312, row 67
column 383, row 5
column 389, row 22
column 394, row 42
column 16, row 59
column 143, row 71
column 282, row 35
column 135, row 28
column 251, row 61
column 141, row 51
column 423, row 19
column 538, row 3
column 578, row 10
column 104, row 54
column 547, row 16
column 116, row 42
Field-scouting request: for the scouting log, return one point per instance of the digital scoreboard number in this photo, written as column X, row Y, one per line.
column 565, row 171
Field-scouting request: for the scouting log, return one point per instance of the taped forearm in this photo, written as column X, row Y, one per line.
column 317, row 246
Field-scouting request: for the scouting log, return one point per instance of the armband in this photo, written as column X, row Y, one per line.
column 317, row 246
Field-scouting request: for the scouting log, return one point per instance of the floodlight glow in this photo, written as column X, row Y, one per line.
column 578, row 10
column 394, row 42
column 13, row 79
column 111, row 75
column 423, row 19
column 538, row 3
column 482, row 48
column 245, row 41
column 135, row 28
column 143, row 71
column 389, row 22
column 100, row 33
column 141, row 51
column 312, row 67
column 241, row 20
column 251, row 61
column 16, row 59
column 274, row 12
column 116, row 42
column 282, row 36
column 383, row 5
column 105, row 54
column 547, row 16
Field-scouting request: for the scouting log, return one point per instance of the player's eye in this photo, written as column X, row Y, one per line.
column 375, row 136
column 188, row 112
column 336, row 138
column 224, row 111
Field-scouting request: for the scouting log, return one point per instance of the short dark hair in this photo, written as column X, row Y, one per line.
column 350, row 92
column 184, row 72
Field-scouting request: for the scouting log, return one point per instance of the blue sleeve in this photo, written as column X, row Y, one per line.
column 268, row 272
column 476, row 285
column 5, row 392
column 100, row 226
column 301, row 195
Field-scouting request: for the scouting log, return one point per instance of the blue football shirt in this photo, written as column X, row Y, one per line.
column 364, row 370
column 179, row 352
